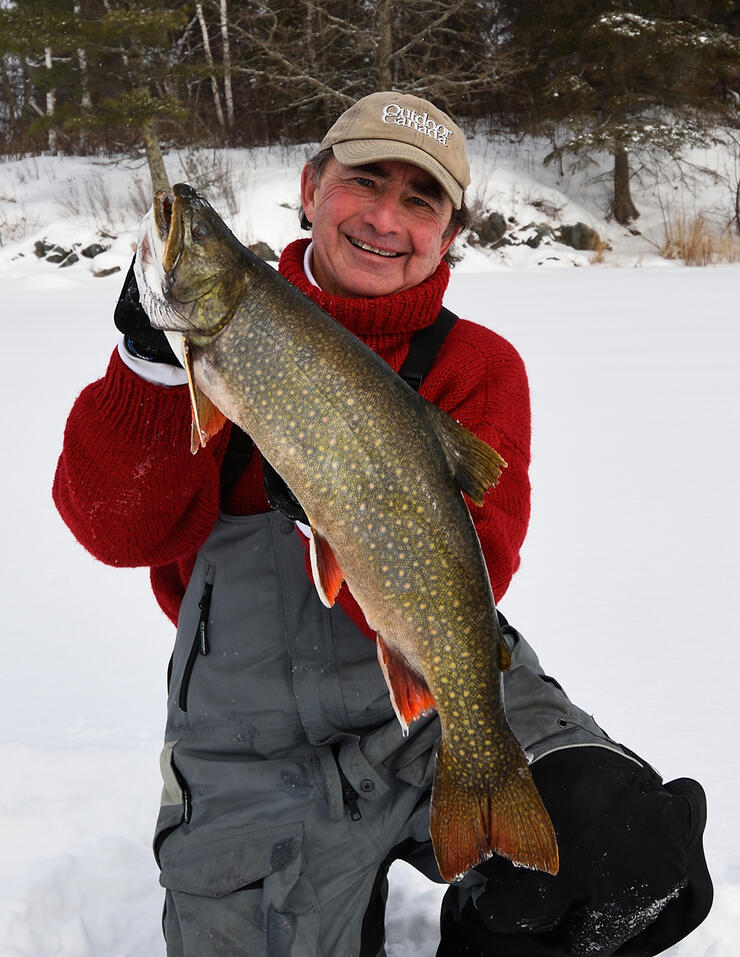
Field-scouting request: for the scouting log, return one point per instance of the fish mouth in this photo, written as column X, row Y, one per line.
column 369, row 248
column 169, row 225
column 164, row 200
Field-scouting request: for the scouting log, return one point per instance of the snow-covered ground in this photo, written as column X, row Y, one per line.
column 627, row 588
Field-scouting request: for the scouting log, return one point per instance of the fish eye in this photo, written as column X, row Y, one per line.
column 200, row 230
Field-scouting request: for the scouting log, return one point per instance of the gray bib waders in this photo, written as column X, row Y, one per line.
column 287, row 780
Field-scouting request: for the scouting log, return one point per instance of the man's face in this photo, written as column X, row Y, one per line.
column 377, row 229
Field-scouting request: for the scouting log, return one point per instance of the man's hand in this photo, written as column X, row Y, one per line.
column 142, row 340
column 280, row 496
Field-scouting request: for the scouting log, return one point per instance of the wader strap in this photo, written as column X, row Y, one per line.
column 238, row 453
column 423, row 350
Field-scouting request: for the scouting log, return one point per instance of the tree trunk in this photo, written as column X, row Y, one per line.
column 624, row 209
column 209, row 59
column 154, row 157
column 9, row 95
column 51, row 101
column 85, row 100
column 385, row 45
column 228, row 95
column 311, row 36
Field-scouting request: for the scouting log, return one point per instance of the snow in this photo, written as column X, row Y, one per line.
column 629, row 575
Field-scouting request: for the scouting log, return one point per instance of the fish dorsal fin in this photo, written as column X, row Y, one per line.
column 410, row 694
column 474, row 464
column 327, row 575
column 207, row 419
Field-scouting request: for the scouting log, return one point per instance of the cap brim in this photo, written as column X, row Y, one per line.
column 358, row 152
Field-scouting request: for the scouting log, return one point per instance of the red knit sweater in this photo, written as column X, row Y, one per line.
column 132, row 494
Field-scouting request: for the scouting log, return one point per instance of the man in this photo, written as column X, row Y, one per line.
column 289, row 788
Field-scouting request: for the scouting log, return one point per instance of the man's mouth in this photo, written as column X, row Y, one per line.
column 387, row 253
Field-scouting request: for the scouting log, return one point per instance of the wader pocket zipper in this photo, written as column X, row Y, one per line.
column 200, row 644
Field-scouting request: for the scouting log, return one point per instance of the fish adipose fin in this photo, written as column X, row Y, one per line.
column 475, row 465
column 207, row 419
column 471, row 823
column 327, row 575
column 410, row 695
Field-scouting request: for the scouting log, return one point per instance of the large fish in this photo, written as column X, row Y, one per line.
column 379, row 472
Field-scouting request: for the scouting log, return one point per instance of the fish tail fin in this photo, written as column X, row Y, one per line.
column 470, row 824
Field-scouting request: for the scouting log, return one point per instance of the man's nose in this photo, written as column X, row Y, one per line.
column 384, row 213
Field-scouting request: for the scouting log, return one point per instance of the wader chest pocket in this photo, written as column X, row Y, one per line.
column 200, row 644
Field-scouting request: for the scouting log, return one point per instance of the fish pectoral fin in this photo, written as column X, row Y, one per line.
column 327, row 575
column 474, row 464
column 207, row 419
column 410, row 694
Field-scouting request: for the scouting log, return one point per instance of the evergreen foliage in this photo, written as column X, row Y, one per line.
column 616, row 76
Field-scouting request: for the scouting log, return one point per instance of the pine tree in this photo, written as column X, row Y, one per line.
column 35, row 33
column 103, row 66
column 137, row 43
column 614, row 76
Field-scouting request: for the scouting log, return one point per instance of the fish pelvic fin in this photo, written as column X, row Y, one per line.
column 207, row 419
column 470, row 824
column 327, row 574
column 410, row 694
column 474, row 464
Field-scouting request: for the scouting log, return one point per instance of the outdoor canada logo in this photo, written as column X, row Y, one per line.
column 422, row 122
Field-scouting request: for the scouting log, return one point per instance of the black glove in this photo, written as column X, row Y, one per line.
column 633, row 879
column 141, row 339
column 280, row 496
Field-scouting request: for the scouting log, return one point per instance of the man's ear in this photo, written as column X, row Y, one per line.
column 308, row 191
column 448, row 238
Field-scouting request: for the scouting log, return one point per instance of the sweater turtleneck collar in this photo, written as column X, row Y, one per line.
column 382, row 317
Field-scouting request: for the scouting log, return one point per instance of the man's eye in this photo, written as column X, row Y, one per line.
column 418, row 201
column 364, row 181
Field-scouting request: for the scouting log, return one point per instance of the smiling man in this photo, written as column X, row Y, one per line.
column 289, row 786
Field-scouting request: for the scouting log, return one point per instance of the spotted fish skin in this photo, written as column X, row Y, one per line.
column 379, row 472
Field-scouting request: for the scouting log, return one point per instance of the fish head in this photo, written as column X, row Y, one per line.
column 190, row 268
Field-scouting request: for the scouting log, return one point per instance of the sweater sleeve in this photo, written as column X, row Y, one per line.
column 126, row 482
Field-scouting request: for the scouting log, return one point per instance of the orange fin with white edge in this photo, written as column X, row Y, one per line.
column 327, row 575
column 410, row 694
column 472, row 823
column 207, row 419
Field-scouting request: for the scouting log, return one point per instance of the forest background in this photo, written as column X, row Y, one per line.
column 632, row 79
